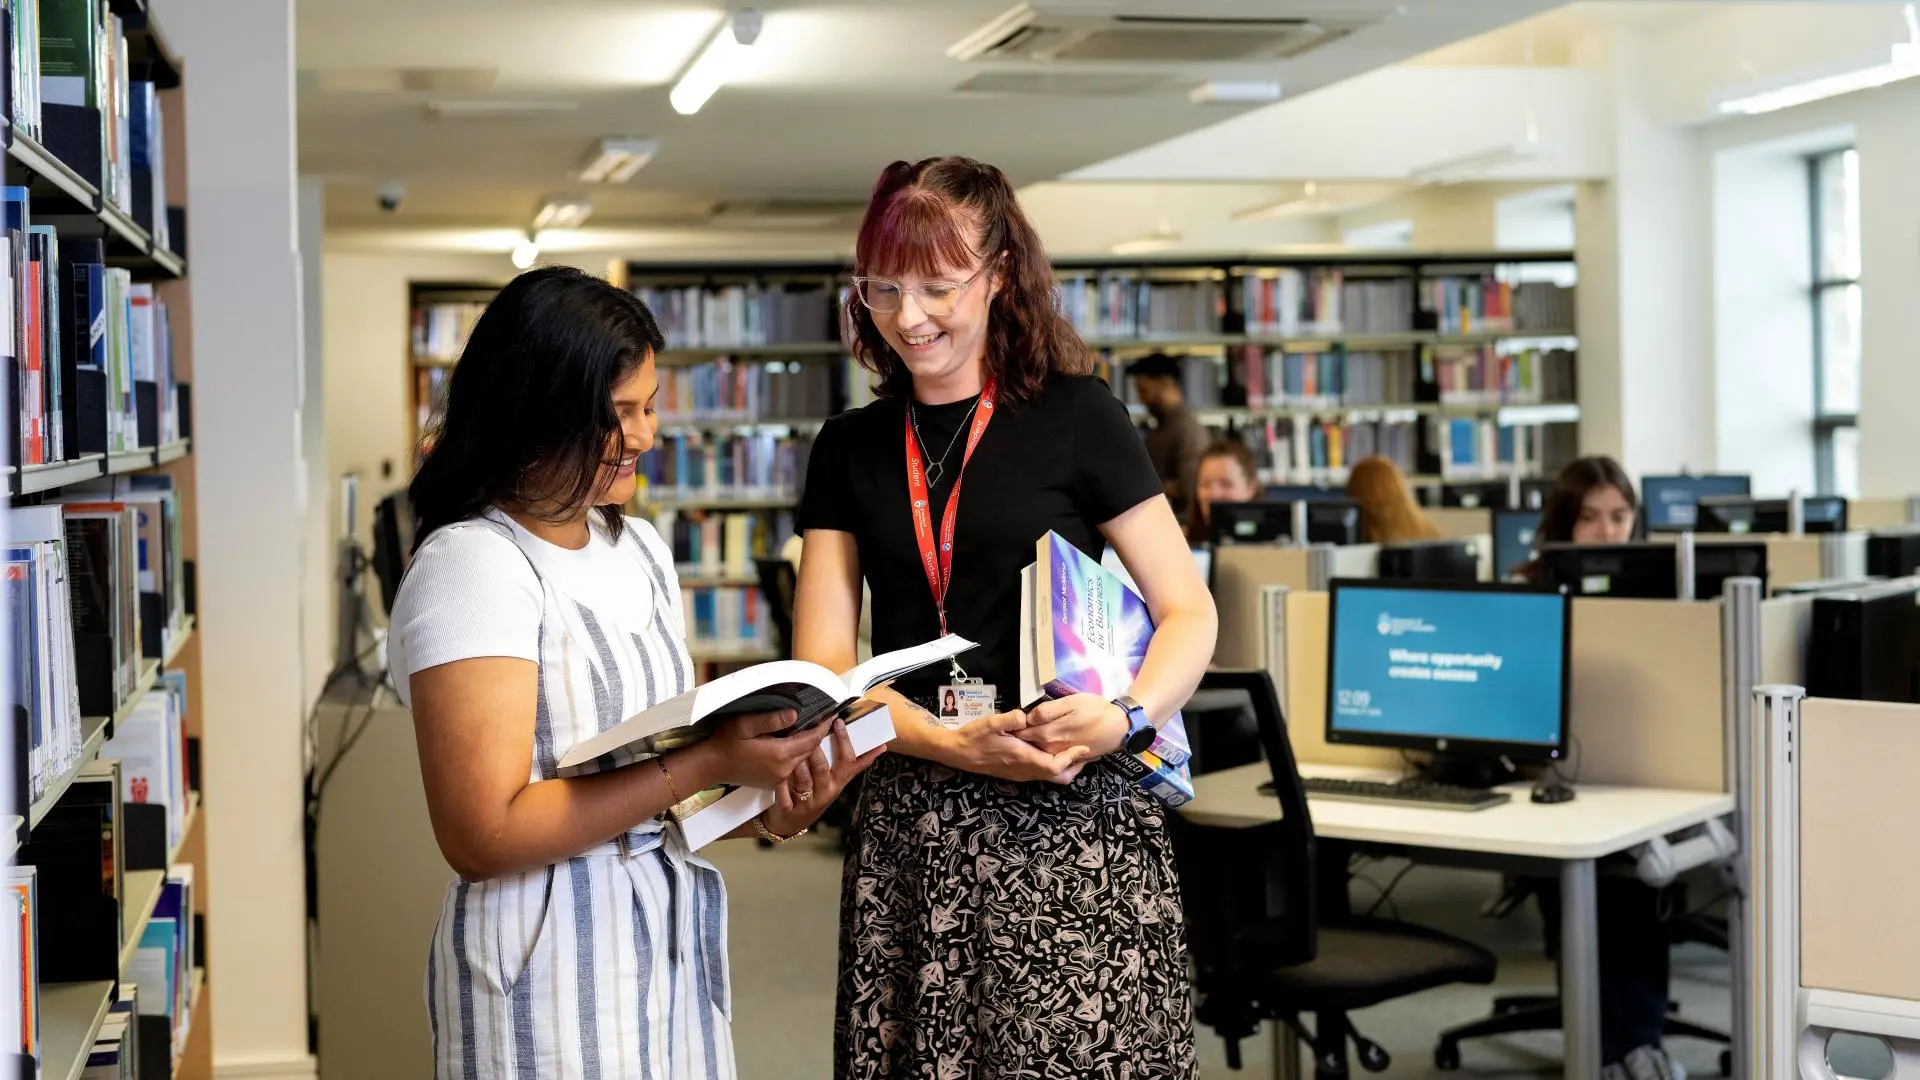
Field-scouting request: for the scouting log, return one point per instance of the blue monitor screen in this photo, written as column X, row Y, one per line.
column 1672, row 501
column 1512, row 540
column 1424, row 667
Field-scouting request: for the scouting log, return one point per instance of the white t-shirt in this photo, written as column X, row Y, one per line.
column 470, row 591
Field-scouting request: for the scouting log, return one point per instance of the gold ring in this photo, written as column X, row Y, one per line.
column 803, row 796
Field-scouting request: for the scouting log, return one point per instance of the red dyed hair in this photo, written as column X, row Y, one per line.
column 941, row 216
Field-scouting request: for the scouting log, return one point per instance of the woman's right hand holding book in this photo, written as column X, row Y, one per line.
column 747, row 749
column 990, row 747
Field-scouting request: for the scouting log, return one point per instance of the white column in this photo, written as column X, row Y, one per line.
column 1646, row 375
column 1889, row 143
column 317, row 556
column 244, row 269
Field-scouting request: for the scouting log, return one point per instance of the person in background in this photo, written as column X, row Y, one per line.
column 1177, row 438
column 579, row 934
column 1593, row 502
column 1011, row 908
column 1226, row 473
column 1388, row 512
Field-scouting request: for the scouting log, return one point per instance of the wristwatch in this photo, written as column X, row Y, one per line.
column 1140, row 730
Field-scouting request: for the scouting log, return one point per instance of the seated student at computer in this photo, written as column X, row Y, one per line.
column 1593, row 502
column 1388, row 512
column 1226, row 474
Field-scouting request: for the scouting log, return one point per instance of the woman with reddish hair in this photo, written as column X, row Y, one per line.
column 1010, row 907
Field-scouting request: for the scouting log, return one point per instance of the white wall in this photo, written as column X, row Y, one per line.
column 316, row 555
column 244, row 276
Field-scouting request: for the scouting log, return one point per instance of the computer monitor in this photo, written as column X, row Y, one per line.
column 392, row 545
column 1744, row 514
column 1474, row 494
column 1670, row 500
column 1893, row 553
column 1462, row 670
column 1864, row 644
column 1295, row 492
column 1329, row 521
column 1512, row 540
column 1430, row 560
column 1649, row 571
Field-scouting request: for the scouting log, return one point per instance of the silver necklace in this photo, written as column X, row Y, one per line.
column 939, row 468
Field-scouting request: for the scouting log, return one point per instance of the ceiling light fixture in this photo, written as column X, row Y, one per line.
column 497, row 108
column 1902, row 63
column 725, row 54
column 563, row 213
column 1307, row 203
column 1473, row 166
column 1231, row 92
column 616, row 159
column 524, row 253
column 1163, row 240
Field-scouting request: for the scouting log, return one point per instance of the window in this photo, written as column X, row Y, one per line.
column 1834, row 189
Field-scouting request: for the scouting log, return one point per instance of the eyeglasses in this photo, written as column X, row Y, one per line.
column 936, row 298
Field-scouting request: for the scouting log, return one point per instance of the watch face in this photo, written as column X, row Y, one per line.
column 1141, row 738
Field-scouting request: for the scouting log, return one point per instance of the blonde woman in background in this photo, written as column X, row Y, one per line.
column 1388, row 512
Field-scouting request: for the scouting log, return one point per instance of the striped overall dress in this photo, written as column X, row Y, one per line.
column 612, row 964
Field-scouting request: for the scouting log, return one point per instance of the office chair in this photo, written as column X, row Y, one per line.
column 1253, row 908
column 1541, row 1012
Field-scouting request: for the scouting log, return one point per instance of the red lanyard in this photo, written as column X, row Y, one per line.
column 939, row 563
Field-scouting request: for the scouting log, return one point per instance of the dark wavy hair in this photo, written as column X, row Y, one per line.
column 529, row 408
column 939, row 215
column 1561, row 511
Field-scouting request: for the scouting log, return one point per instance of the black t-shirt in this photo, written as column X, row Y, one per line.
column 1066, row 462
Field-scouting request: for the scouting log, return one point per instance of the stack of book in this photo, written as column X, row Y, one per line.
column 743, row 316
column 1544, row 306
column 1376, row 305
column 1289, row 302
column 750, row 391
column 1119, row 305
column 1467, row 304
column 747, row 465
column 22, row 48
column 440, row 330
column 1302, row 449
column 1486, row 375
column 1281, row 378
column 151, row 747
column 115, row 1054
column 711, row 544
column 43, row 684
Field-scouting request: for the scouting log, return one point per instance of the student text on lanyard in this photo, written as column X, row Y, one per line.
column 937, row 560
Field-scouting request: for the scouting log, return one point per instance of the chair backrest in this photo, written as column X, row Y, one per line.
column 1293, row 905
column 1222, row 730
column 778, row 583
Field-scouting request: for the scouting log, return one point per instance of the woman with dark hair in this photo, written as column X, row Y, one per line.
column 1010, row 907
column 1593, row 502
column 580, row 932
column 1226, row 473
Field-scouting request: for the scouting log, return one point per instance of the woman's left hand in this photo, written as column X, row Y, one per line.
column 800, row 801
column 1076, row 720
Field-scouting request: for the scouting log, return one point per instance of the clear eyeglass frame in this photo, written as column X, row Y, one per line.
column 936, row 298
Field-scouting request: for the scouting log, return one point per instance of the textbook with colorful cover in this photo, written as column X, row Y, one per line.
column 815, row 694
column 1082, row 630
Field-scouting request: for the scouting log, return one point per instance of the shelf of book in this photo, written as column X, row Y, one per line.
column 70, row 1018
column 690, row 579
column 728, row 426
column 54, row 475
column 179, row 642
column 57, row 175
column 93, row 730
column 41, row 163
column 141, row 893
column 648, row 505
column 731, row 654
column 1321, row 342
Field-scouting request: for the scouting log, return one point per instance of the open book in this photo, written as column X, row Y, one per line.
column 815, row 694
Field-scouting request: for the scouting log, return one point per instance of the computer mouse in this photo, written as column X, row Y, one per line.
column 1552, row 791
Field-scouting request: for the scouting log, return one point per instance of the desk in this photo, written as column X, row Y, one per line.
column 1601, row 821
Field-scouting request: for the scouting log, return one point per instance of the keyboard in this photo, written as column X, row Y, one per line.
column 1408, row 792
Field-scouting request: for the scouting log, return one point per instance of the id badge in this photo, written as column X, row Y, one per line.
column 964, row 701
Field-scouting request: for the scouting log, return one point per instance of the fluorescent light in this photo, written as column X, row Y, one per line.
column 496, row 108
column 1231, row 92
column 563, row 213
column 1147, row 245
column 524, row 253
column 1305, row 204
column 1903, row 64
column 1472, row 166
column 725, row 55
column 615, row 160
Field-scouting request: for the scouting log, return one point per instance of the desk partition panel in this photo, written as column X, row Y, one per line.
column 1647, row 704
column 1877, row 513
column 1303, row 683
column 1461, row 523
column 1786, row 623
column 1239, row 573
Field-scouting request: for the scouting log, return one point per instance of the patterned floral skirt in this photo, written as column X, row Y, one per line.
column 999, row 931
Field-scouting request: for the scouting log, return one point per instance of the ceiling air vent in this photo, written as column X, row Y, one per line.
column 1073, row 83
column 1077, row 31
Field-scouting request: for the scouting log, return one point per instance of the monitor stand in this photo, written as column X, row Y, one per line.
column 1469, row 771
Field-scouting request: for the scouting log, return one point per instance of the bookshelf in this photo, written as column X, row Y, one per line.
column 1460, row 365
column 94, row 425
